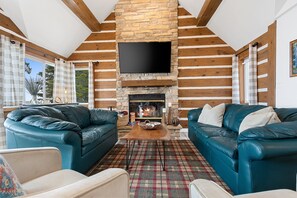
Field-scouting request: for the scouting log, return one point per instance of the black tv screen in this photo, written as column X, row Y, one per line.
column 145, row 57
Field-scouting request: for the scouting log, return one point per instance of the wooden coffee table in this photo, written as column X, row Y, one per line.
column 138, row 134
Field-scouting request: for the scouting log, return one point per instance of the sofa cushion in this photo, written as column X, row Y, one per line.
column 76, row 113
column 10, row 185
column 259, row 118
column 226, row 145
column 94, row 132
column 50, row 123
column 208, row 131
column 212, row 115
column 235, row 113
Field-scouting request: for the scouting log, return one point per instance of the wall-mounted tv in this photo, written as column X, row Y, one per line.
column 145, row 57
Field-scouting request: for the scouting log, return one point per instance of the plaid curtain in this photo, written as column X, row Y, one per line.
column 253, row 99
column 12, row 59
column 64, row 81
column 91, row 86
column 235, row 81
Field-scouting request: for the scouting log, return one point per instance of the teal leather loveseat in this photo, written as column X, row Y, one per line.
column 261, row 158
column 83, row 136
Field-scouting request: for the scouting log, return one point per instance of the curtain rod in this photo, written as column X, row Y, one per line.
column 246, row 48
column 13, row 42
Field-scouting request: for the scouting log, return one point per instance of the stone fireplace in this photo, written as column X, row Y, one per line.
column 147, row 21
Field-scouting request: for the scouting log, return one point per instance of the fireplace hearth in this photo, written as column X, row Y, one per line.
column 147, row 106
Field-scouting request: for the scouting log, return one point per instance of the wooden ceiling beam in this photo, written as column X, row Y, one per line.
column 7, row 23
column 207, row 11
column 81, row 10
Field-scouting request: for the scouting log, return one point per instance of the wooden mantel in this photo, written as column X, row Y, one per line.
column 149, row 83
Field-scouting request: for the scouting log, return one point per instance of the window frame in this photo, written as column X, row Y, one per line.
column 44, row 64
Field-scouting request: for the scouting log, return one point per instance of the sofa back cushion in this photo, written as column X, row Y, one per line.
column 235, row 113
column 19, row 114
column 78, row 114
column 52, row 112
column 99, row 117
column 283, row 130
column 49, row 123
column 286, row 114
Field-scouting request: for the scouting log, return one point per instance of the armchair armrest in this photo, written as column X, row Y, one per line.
column 194, row 114
column 99, row 117
column 30, row 163
column 112, row 182
column 201, row 188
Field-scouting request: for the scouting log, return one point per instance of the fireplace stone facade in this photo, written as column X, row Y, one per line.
column 147, row 21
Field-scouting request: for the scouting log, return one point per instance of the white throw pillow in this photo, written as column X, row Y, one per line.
column 259, row 118
column 212, row 115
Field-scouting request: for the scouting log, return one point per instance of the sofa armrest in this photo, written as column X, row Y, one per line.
column 201, row 188
column 194, row 114
column 113, row 182
column 259, row 150
column 272, row 161
column 30, row 163
column 99, row 117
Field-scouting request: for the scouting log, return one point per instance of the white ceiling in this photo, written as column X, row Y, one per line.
column 52, row 25
column 238, row 22
column 48, row 23
column 284, row 6
column 101, row 8
column 192, row 6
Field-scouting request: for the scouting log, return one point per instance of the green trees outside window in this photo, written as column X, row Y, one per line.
column 81, row 80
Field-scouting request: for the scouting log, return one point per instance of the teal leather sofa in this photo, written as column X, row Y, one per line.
column 261, row 158
column 83, row 136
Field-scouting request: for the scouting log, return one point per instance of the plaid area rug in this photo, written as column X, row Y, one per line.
column 147, row 179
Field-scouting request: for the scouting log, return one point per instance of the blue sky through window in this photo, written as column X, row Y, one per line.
column 36, row 68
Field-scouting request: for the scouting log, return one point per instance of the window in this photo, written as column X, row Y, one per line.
column 82, row 87
column 39, row 81
column 244, row 80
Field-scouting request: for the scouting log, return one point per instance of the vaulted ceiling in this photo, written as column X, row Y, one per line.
column 57, row 26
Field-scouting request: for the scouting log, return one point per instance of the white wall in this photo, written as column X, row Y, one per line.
column 286, row 86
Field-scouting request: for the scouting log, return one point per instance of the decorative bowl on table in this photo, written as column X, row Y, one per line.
column 148, row 125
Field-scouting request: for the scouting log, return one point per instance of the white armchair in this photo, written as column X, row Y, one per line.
column 201, row 188
column 40, row 173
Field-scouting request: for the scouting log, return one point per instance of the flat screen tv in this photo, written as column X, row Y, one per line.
column 145, row 57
